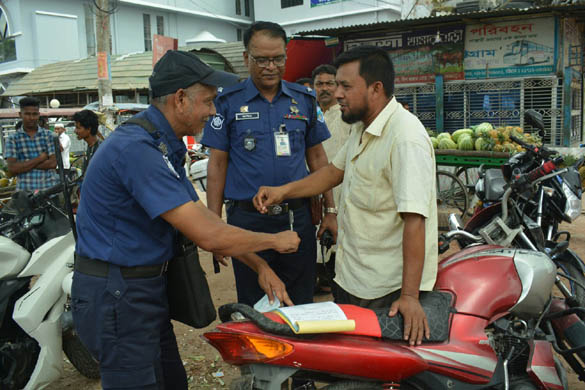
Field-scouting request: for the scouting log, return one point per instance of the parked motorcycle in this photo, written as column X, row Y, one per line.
column 36, row 247
column 523, row 204
column 493, row 326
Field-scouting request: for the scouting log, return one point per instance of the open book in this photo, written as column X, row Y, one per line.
column 323, row 317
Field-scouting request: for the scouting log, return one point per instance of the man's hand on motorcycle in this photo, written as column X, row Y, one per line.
column 267, row 196
column 287, row 241
column 329, row 222
column 272, row 285
column 415, row 320
column 221, row 259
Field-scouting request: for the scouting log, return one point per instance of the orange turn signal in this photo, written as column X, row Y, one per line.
column 242, row 348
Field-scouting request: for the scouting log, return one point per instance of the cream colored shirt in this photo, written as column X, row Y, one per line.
column 392, row 171
column 339, row 132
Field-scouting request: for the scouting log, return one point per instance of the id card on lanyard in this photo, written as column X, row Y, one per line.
column 282, row 142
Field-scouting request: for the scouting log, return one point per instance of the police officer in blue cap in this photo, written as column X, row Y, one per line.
column 266, row 131
column 134, row 197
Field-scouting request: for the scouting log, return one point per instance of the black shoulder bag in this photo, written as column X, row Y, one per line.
column 187, row 289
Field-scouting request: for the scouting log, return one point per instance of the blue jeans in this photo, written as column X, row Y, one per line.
column 296, row 270
column 125, row 325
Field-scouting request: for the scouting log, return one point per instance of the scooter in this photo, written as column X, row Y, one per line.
column 492, row 322
column 36, row 325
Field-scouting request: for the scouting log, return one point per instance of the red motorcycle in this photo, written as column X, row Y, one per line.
column 493, row 326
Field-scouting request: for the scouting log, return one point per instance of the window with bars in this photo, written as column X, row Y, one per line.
column 247, row 7
column 290, row 3
column 239, row 34
column 147, row 33
column 160, row 25
column 501, row 103
column 238, row 7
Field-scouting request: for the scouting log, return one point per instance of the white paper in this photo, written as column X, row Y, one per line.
column 323, row 311
column 263, row 305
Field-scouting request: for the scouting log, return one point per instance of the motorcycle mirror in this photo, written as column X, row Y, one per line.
column 534, row 119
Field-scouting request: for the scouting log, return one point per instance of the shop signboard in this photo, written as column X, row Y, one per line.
column 510, row 49
column 419, row 55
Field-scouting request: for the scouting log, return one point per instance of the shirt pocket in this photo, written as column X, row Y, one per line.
column 362, row 191
column 249, row 136
column 297, row 130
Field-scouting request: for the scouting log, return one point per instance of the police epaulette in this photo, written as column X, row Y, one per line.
column 231, row 89
column 301, row 88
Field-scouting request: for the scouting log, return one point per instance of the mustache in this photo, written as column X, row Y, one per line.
column 325, row 93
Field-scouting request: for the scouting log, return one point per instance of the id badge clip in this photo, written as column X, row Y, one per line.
column 282, row 142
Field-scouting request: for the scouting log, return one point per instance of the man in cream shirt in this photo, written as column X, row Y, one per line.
column 387, row 242
column 325, row 85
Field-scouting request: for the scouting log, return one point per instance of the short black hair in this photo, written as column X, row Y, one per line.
column 274, row 30
column 375, row 65
column 87, row 119
column 325, row 68
column 304, row 80
column 29, row 101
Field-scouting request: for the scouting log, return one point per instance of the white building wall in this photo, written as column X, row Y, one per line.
column 338, row 14
column 47, row 31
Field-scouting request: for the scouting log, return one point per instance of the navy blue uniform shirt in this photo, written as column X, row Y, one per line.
column 129, row 183
column 244, row 126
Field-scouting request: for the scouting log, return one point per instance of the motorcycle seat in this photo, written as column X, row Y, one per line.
column 437, row 307
column 494, row 185
column 368, row 322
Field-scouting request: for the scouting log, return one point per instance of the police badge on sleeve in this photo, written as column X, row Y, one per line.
column 217, row 122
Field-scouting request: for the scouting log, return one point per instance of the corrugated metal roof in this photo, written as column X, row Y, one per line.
column 129, row 72
column 573, row 9
column 232, row 52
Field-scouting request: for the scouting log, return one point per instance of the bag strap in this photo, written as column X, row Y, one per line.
column 145, row 124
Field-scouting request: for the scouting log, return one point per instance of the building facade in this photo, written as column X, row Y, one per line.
column 306, row 15
column 40, row 32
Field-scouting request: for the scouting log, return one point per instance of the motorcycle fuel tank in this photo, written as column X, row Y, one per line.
column 537, row 273
column 13, row 258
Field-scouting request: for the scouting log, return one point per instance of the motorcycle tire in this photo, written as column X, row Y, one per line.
column 79, row 356
column 18, row 359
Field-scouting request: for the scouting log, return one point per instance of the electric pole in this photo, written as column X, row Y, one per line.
column 102, row 22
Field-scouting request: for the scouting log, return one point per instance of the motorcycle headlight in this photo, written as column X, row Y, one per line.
column 573, row 204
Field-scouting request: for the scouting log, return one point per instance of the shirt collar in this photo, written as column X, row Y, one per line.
column 377, row 125
column 177, row 146
column 21, row 130
column 250, row 90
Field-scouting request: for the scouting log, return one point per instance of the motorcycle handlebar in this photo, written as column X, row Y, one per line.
column 541, row 151
column 41, row 194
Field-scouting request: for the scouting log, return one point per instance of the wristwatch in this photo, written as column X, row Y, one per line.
column 330, row 210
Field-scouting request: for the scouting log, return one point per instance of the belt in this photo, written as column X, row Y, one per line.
column 275, row 209
column 100, row 268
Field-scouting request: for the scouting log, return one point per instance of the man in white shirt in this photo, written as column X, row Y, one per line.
column 65, row 142
column 325, row 85
column 387, row 239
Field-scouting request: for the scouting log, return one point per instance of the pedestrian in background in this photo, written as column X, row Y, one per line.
column 30, row 151
column 65, row 143
column 86, row 129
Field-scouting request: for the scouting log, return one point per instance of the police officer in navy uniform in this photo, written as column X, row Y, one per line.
column 266, row 131
column 134, row 197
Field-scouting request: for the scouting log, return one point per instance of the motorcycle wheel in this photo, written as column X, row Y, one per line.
column 17, row 362
column 79, row 356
